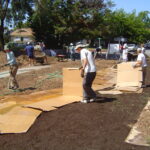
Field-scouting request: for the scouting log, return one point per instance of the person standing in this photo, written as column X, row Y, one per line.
column 30, row 53
column 125, row 54
column 72, row 52
column 43, row 49
column 141, row 62
column 88, row 72
column 142, row 48
column 13, row 67
column 98, row 52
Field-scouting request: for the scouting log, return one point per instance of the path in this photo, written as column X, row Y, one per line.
column 23, row 70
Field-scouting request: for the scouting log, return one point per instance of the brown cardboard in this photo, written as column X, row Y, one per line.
column 17, row 120
column 111, row 92
column 127, row 66
column 127, row 84
column 128, row 78
column 72, row 82
column 137, row 135
column 50, row 104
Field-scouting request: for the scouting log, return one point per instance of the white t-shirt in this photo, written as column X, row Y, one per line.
column 125, row 55
column 143, row 50
column 11, row 58
column 141, row 57
column 90, row 67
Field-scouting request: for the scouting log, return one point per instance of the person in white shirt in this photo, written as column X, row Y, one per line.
column 88, row 72
column 142, row 48
column 12, row 84
column 141, row 62
column 72, row 52
column 125, row 54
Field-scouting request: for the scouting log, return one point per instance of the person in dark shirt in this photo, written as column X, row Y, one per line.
column 30, row 53
column 98, row 52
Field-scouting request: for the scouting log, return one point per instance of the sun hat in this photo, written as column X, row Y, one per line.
column 79, row 46
column 139, row 49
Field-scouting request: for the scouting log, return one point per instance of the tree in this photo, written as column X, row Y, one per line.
column 13, row 10
column 65, row 21
column 128, row 25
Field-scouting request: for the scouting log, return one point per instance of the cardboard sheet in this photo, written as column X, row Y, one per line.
column 111, row 92
column 7, row 104
column 72, row 82
column 18, row 120
column 128, row 78
column 129, row 84
column 50, row 104
column 126, row 73
column 128, row 88
column 137, row 135
column 127, row 66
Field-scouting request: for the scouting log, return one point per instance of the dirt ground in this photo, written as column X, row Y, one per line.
column 96, row 126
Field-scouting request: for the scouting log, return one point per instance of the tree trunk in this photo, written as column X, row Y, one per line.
column 1, row 35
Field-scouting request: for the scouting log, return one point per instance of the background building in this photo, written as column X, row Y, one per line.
column 22, row 35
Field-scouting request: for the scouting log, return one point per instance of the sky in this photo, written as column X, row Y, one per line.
column 130, row 5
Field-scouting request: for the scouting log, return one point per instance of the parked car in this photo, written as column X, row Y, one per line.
column 147, row 46
column 132, row 46
column 132, row 52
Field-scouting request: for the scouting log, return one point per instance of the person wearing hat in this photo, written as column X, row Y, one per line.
column 43, row 50
column 30, row 53
column 12, row 83
column 88, row 72
column 141, row 62
column 72, row 52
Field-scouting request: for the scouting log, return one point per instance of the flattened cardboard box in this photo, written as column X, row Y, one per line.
column 72, row 82
column 50, row 104
column 18, row 120
column 126, row 74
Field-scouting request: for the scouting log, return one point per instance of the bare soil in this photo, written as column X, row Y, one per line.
column 96, row 126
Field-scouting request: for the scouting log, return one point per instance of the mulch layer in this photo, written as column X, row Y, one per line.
column 103, row 125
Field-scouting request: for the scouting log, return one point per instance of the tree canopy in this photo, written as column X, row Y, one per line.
column 13, row 11
column 63, row 21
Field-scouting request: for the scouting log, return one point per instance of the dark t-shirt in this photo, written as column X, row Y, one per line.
column 98, row 49
column 29, row 49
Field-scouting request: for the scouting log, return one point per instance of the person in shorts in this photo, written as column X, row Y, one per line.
column 30, row 53
column 13, row 68
column 43, row 50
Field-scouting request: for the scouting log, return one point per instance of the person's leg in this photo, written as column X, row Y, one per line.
column 30, row 61
column 87, row 86
column 45, row 59
column 10, row 78
column 72, row 57
column 14, row 72
column 33, row 60
column 144, row 75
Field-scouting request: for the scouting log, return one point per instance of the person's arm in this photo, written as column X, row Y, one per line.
column 138, row 63
column 84, row 63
